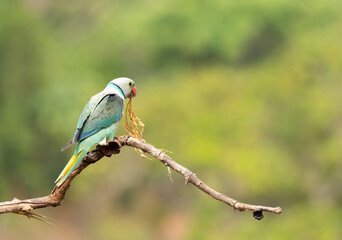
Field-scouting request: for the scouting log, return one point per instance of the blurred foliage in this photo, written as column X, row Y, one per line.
column 246, row 94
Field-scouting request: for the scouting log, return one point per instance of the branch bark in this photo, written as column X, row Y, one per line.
column 57, row 195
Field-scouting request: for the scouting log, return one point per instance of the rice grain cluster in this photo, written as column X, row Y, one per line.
column 134, row 126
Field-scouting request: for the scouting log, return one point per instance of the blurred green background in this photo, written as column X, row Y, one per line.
column 246, row 94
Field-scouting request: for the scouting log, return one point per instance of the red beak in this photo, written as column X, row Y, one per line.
column 134, row 91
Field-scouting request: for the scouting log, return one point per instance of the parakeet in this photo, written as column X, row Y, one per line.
column 98, row 121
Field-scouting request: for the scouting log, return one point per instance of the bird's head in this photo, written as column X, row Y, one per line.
column 126, row 85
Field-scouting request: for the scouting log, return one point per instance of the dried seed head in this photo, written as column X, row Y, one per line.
column 134, row 126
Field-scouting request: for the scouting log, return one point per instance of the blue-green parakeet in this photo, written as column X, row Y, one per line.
column 99, row 121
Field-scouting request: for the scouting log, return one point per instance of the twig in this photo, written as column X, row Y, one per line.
column 57, row 195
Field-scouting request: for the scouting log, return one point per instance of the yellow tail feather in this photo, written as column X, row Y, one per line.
column 67, row 168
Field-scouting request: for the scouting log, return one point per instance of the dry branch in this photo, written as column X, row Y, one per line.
column 57, row 195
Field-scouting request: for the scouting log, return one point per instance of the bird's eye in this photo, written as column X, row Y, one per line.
column 130, row 84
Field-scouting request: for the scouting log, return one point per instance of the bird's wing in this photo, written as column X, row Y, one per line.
column 108, row 111
column 88, row 108
column 97, row 114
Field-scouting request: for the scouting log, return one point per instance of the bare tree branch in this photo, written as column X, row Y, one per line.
column 57, row 195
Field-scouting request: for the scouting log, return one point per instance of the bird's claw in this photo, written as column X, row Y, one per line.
column 112, row 147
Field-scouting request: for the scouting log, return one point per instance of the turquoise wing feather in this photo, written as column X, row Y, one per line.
column 99, row 112
column 88, row 108
column 109, row 110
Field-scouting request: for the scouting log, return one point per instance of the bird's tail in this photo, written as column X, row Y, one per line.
column 71, row 165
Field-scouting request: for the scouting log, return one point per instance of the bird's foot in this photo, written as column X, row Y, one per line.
column 112, row 147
